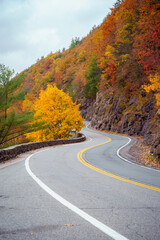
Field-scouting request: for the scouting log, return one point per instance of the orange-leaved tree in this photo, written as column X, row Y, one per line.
column 58, row 110
column 155, row 87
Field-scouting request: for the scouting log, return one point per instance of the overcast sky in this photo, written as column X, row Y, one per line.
column 30, row 29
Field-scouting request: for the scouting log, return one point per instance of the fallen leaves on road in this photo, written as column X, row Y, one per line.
column 68, row 225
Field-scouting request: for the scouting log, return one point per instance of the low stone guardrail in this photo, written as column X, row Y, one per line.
column 11, row 152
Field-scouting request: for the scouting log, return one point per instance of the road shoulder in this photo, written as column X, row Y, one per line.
column 136, row 152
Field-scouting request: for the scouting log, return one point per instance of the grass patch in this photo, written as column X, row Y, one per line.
column 150, row 157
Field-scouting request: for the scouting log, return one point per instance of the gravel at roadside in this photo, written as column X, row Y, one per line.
column 141, row 154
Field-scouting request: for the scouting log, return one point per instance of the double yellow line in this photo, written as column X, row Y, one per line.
column 82, row 160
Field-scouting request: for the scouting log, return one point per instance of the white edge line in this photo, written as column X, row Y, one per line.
column 107, row 230
column 126, row 160
column 122, row 148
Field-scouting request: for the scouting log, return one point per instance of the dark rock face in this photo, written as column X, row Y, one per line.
column 113, row 119
column 155, row 139
column 87, row 109
column 112, row 114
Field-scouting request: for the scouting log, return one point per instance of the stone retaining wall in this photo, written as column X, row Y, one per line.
column 13, row 151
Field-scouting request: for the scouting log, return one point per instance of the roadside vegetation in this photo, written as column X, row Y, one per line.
column 53, row 115
column 57, row 109
column 117, row 61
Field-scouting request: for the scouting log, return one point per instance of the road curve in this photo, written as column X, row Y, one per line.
column 52, row 195
column 107, row 157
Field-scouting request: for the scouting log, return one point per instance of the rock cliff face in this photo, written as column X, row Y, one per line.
column 87, row 109
column 133, row 117
column 155, row 139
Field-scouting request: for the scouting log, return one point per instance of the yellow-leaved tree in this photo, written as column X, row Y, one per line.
column 155, row 87
column 58, row 110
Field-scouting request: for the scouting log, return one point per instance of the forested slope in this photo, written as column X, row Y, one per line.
column 113, row 72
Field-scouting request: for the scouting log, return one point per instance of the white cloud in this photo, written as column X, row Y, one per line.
column 33, row 28
column 42, row 38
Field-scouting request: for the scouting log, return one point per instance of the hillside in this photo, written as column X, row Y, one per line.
column 107, row 70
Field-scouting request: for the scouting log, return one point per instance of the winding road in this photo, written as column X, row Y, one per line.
column 84, row 191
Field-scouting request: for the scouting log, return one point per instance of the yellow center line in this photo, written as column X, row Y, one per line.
column 82, row 160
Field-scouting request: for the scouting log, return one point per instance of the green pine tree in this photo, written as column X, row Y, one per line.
column 93, row 77
column 74, row 42
column 13, row 124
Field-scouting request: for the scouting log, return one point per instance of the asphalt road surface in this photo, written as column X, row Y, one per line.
column 78, row 191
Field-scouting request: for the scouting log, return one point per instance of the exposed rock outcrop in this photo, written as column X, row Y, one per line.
column 87, row 109
column 155, row 139
column 133, row 117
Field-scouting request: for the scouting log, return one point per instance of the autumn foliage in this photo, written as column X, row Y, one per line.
column 155, row 87
column 121, row 56
column 57, row 109
column 126, row 47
